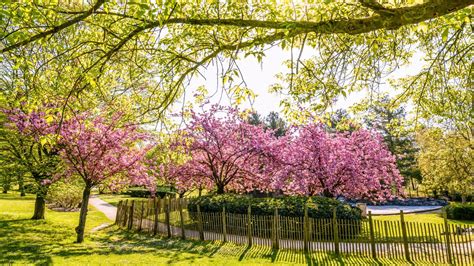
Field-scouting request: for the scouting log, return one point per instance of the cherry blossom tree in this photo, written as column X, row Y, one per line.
column 163, row 163
column 28, row 141
column 98, row 150
column 356, row 165
column 226, row 152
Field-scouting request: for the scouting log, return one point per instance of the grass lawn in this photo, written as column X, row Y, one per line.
column 422, row 218
column 52, row 242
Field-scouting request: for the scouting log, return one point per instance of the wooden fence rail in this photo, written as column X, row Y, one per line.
column 412, row 241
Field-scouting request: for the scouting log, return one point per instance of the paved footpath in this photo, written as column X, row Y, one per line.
column 108, row 209
column 395, row 209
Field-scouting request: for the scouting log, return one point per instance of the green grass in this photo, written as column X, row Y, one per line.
column 51, row 241
column 422, row 218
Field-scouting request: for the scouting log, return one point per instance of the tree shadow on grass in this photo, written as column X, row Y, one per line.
column 27, row 241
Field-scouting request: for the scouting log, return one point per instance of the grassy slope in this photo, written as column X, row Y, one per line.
column 52, row 241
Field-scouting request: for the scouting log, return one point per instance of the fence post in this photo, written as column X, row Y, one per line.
column 125, row 214
column 167, row 216
column 141, row 216
column 372, row 236
column 130, row 217
column 156, row 206
column 200, row 227
column 405, row 237
column 249, row 225
column 305, row 228
column 447, row 233
column 181, row 218
column 335, row 231
column 275, row 228
column 224, row 226
column 118, row 213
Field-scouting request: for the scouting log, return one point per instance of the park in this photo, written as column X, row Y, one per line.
column 237, row 132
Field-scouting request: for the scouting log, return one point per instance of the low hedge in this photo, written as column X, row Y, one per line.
column 318, row 207
column 458, row 211
column 291, row 206
column 140, row 192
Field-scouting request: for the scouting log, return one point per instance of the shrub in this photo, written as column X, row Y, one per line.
column 460, row 211
column 289, row 206
column 30, row 188
column 67, row 196
column 140, row 192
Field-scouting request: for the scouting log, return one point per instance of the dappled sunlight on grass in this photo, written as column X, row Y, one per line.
column 52, row 242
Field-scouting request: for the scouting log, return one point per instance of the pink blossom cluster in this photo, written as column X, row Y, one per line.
column 33, row 124
column 228, row 154
column 98, row 149
column 355, row 165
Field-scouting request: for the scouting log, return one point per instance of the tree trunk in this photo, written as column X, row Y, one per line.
column 463, row 199
column 21, row 186
column 82, row 216
column 327, row 193
column 5, row 190
column 220, row 189
column 40, row 207
column 22, row 189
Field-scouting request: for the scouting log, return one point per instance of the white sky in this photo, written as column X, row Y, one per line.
column 259, row 77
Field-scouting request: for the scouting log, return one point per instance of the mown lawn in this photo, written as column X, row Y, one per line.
column 422, row 218
column 52, row 242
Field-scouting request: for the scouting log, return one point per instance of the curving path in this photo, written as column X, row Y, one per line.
column 108, row 209
column 395, row 209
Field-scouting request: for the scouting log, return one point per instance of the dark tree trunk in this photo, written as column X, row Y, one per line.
column 327, row 193
column 5, row 190
column 220, row 189
column 82, row 216
column 40, row 207
column 21, row 186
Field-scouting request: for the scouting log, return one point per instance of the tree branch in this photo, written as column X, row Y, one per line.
column 377, row 7
column 55, row 29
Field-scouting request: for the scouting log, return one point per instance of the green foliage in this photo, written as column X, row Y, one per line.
column 140, row 192
column 65, row 195
column 123, row 48
column 446, row 161
column 272, row 121
column 31, row 188
column 291, row 206
column 460, row 211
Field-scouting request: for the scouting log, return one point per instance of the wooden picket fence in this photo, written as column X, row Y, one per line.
column 411, row 241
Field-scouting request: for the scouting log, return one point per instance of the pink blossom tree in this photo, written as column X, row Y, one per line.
column 98, row 150
column 226, row 152
column 28, row 141
column 356, row 165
